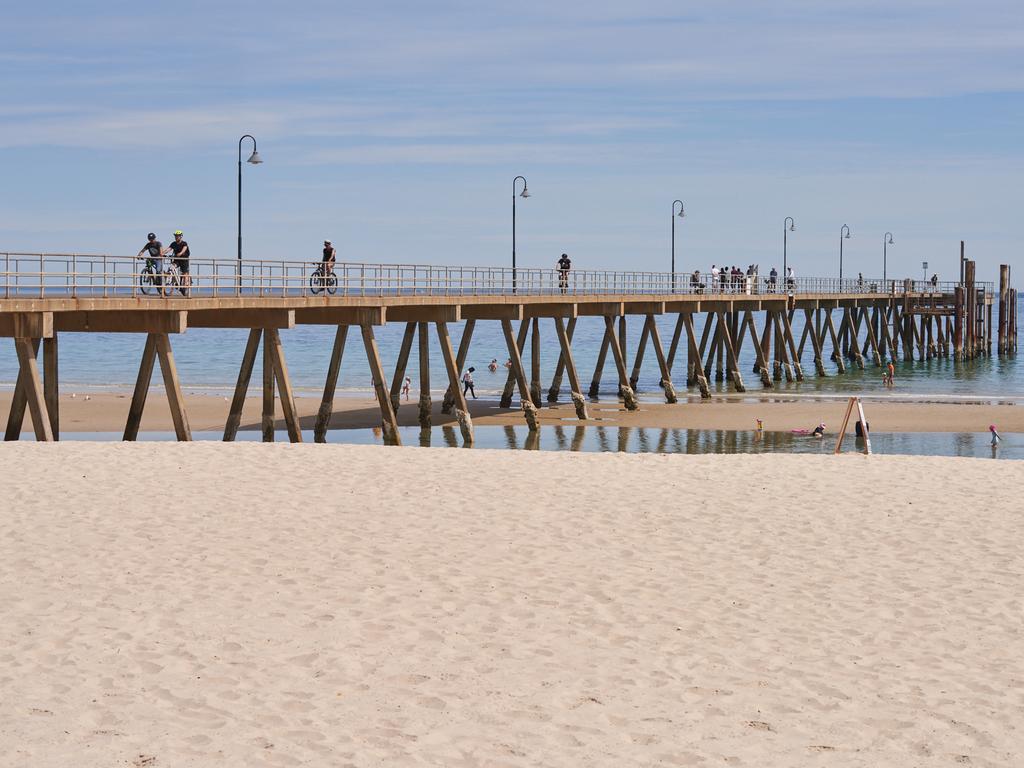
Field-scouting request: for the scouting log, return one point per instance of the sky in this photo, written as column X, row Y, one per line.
column 395, row 129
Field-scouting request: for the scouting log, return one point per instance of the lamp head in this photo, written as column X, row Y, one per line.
column 890, row 240
column 682, row 213
column 255, row 158
column 847, row 234
column 792, row 226
column 525, row 192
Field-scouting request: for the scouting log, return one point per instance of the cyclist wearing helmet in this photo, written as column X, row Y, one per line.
column 155, row 252
column 181, row 256
column 330, row 254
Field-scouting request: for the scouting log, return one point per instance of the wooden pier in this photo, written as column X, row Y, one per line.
column 853, row 323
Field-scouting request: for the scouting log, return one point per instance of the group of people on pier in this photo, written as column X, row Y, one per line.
column 734, row 280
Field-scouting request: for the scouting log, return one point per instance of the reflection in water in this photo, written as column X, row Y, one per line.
column 577, row 438
column 603, row 438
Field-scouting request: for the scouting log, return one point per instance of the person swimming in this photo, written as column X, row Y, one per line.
column 818, row 431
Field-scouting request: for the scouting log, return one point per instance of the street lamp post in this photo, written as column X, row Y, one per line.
column 842, row 237
column 785, row 230
column 255, row 159
column 886, row 242
column 524, row 193
column 682, row 214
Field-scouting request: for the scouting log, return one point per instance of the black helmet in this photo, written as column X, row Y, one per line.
column 151, row 236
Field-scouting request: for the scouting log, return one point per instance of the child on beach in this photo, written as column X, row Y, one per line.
column 995, row 436
column 406, row 386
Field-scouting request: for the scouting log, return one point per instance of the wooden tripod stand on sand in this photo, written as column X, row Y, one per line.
column 854, row 401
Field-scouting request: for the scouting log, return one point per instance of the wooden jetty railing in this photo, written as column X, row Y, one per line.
column 43, row 295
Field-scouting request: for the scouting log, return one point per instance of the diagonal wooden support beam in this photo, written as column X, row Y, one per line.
column 761, row 364
column 854, row 345
column 27, row 350
column 19, row 400
column 781, row 351
column 565, row 342
column 674, row 345
column 869, row 323
column 400, row 366
column 172, row 385
column 638, row 361
column 812, row 333
column 389, row 425
column 323, row 415
column 694, row 354
column 830, row 327
column 131, row 428
column 519, row 375
column 787, row 330
column 520, row 342
column 628, row 397
column 242, row 385
column 659, row 353
column 556, row 380
column 467, row 336
column 423, row 348
column 451, row 365
column 732, row 365
column 602, row 356
column 284, row 385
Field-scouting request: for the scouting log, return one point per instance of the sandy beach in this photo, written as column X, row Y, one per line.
column 107, row 411
column 204, row 604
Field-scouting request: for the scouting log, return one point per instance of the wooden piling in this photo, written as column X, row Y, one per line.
column 425, row 405
column 389, row 425
column 51, row 389
column 241, row 386
column 323, row 415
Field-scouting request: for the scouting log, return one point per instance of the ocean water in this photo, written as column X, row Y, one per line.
column 208, row 361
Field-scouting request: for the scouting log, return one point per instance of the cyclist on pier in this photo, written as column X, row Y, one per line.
column 181, row 258
column 155, row 253
column 563, row 266
column 330, row 256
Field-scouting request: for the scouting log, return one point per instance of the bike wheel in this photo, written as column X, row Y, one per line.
column 170, row 283
column 332, row 283
column 146, row 284
column 316, row 283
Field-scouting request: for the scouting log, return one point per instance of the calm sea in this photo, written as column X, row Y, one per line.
column 208, row 360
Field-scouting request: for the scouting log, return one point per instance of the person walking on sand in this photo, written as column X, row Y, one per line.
column 406, row 386
column 891, row 370
column 467, row 383
column 564, row 265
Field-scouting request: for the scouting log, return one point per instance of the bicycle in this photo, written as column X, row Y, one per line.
column 160, row 282
column 319, row 282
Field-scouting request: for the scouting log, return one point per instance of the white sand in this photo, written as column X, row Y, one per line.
column 250, row 605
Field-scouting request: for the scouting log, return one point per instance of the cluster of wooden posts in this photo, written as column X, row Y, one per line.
column 869, row 328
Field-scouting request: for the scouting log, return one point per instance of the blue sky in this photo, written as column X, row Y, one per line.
column 395, row 129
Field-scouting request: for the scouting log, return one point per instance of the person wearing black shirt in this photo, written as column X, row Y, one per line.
column 564, row 265
column 155, row 252
column 330, row 255
column 181, row 260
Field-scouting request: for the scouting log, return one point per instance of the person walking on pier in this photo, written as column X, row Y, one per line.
column 790, row 278
column 564, row 265
column 181, row 257
column 773, row 277
column 155, row 253
column 467, row 383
